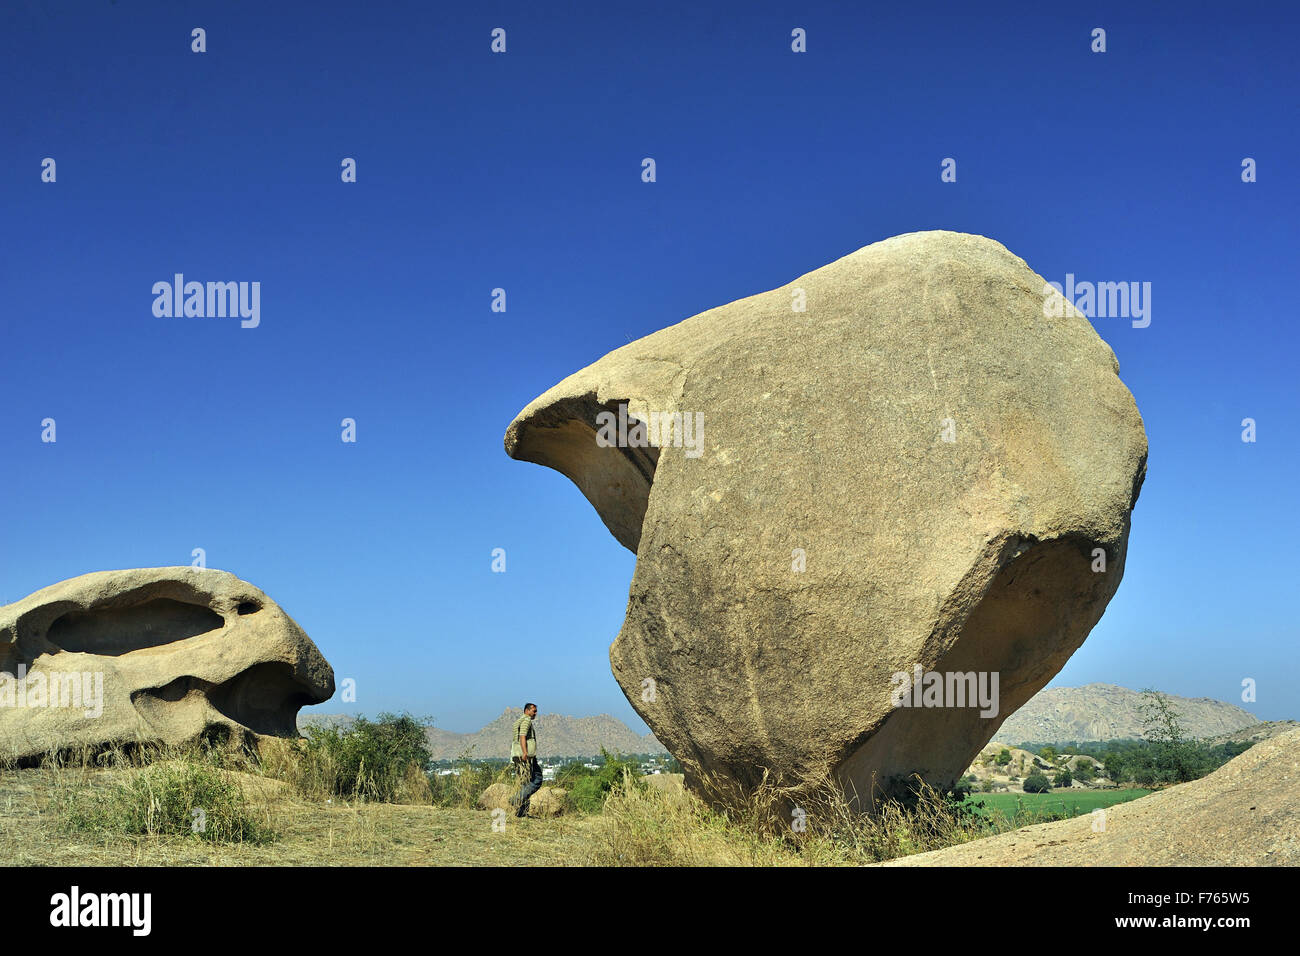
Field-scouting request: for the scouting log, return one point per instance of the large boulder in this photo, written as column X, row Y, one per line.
column 157, row 655
column 932, row 466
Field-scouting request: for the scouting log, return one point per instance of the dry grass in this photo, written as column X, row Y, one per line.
column 331, row 832
column 645, row 826
column 810, row 823
column 639, row 826
column 186, row 797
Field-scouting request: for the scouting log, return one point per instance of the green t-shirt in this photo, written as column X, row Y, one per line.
column 523, row 728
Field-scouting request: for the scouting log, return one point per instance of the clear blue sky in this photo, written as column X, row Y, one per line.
column 522, row 171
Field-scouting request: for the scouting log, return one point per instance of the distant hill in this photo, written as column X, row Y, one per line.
column 1108, row 712
column 1055, row 715
column 557, row 736
column 1265, row 730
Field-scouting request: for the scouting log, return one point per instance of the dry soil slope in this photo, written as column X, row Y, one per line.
column 1246, row 813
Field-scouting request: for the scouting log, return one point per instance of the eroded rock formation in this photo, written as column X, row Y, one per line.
column 162, row 655
column 924, row 467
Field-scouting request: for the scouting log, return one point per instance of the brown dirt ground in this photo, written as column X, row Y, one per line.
column 1246, row 813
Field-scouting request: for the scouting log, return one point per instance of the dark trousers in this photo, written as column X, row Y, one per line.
column 530, row 773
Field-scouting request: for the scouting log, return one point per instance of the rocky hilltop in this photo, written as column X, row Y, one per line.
column 1265, row 730
column 1108, row 712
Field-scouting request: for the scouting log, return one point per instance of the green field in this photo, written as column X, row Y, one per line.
column 1052, row 806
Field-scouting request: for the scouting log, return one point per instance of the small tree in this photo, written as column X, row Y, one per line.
column 1176, row 759
column 1115, row 767
column 1004, row 757
column 1048, row 754
column 1063, row 779
column 1036, row 783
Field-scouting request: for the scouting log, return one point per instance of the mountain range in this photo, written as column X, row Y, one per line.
column 557, row 736
column 1055, row 715
column 1108, row 712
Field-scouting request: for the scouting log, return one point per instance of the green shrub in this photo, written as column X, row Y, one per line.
column 371, row 760
column 588, row 789
column 1003, row 757
column 187, row 798
column 1062, row 779
column 1036, row 783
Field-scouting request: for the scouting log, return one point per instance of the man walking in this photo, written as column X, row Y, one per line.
column 523, row 754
